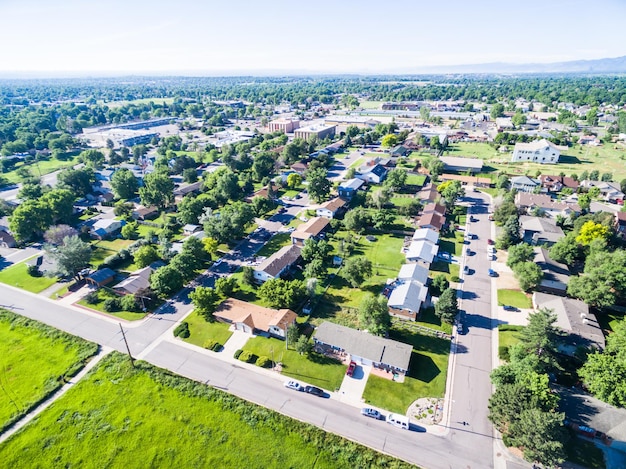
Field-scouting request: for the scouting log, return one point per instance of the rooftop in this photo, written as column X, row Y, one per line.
column 456, row 161
column 282, row 258
column 313, row 227
column 255, row 316
column 408, row 295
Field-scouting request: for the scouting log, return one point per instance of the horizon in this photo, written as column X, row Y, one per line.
column 89, row 39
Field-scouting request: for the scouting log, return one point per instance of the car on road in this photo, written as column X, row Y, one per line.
column 314, row 390
column 492, row 273
column 490, row 242
column 468, row 252
column 291, row 384
column 351, row 368
column 472, row 219
column 371, row 413
column 510, row 308
column 466, row 270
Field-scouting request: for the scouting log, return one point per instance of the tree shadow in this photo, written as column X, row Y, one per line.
column 5, row 263
column 424, row 343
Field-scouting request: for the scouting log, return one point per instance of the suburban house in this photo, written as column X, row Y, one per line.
column 184, row 189
column 426, row 234
column 254, row 319
column 299, row 168
column 539, row 231
column 348, row 188
column 620, row 223
column 311, row 229
column 413, row 272
column 399, row 151
column 431, row 220
column 462, row 165
column 364, row 348
column 145, row 213
column 538, row 151
column 524, row 183
column 6, row 239
column 428, row 193
column 421, row 251
column 104, row 228
column 264, row 192
column 190, row 229
column 546, row 204
column 434, row 208
column 277, row 264
column 555, row 275
column 611, row 191
column 557, row 183
column 101, row 277
column 331, row 208
column 464, row 180
column 373, row 174
column 573, row 317
column 137, row 280
column 406, row 299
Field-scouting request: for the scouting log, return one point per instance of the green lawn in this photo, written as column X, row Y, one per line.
column 113, row 245
column 33, row 357
column 402, row 201
column 415, row 179
column 119, row 414
column 441, row 267
column 17, row 276
column 427, row 374
column 428, row 318
column 274, row 244
column 515, row 298
column 370, row 104
column 452, row 244
column 39, row 169
column 203, row 332
column 316, row 369
column 103, row 295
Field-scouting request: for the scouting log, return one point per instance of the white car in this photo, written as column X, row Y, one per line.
column 291, row 384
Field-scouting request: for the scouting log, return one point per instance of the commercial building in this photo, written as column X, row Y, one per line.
column 319, row 131
column 284, row 125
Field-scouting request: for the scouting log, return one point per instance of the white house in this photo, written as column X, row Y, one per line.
column 415, row 272
column 422, row 251
column 106, row 227
column 330, row 208
column 427, row 234
column 406, row 299
column 373, row 174
column 538, row 151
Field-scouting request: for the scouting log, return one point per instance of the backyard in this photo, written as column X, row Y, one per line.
column 204, row 332
column 17, row 276
column 314, row 369
column 171, row 422
column 515, row 298
column 28, row 374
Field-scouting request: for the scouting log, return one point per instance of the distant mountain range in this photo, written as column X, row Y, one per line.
column 599, row 66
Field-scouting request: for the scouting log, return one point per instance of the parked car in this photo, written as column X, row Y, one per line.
column 351, row 368
column 372, row 413
column 291, row 384
column 468, row 252
column 472, row 219
column 466, row 270
column 399, row 421
column 315, row 391
column 492, row 273
column 510, row 308
column 490, row 242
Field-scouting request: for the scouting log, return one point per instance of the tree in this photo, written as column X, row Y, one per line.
column 30, row 218
column 315, row 269
column 374, row 314
column 124, row 184
column 247, row 275
column 518, row 119
column 604, row 279
column 316, row 249
column 584, row 201
column 318, row 184
column 396, row 179
column 566, row 250
column 166, row 280
column 30, row 191
column 541, row 435
column 451, row 191
column 303, row 345
column 389, row 140
column 509, row 234
column 590, row 231
column 293, row 333
column 503, row 182
column 158, row 189
column 528, row 275
column 229, row 223
column 383, row 219
column 60, row 204
column 380, row 197
column 539, row 338
column 447, row 307
column 356, row 220
column 210, row 245
column 435, row 166
column 294, row 180
column 520, row 253
column 503, row 212
column 79, row 181
column 145, row 255
column 190, row 175
column 279, row 293
column 205, row 301
column 225, row 286
column 195, row 248
column 356, row 270
column 56, row 234
column 439, row 284
column 92, row 158
column 72, row 255
column 190, row 208
column 592, row 116
column 263, row 166
column 130, row 231
column 497, row 110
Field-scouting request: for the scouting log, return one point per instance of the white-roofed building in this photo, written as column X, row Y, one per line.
column 421, row 251
column 413, row 272
column 538, row 151
column 426, row 234
column 406, row 299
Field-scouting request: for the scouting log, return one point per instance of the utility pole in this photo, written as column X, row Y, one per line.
column 132, row 361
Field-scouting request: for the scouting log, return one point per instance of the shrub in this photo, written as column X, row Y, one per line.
column 217, row 347
column 129, row 303
column 92, row 298
column 112, row 305
column 33, row 271
column 455, row 278
column 182, row 330
column 247, row 357
column 503, row 353
column 209, row 344
column 237, row 353
column 263, row 362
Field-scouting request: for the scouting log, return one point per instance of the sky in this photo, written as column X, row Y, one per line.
column 225, row 37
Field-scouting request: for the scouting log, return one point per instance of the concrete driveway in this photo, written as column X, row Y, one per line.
column 352, row 387
column 236, row 342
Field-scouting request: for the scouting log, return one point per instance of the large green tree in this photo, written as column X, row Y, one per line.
column 166, row 281
column 374, row 314
column 124, row 184
column 158, row 189
column 279, row 293
column 72, row 255
column 79, row 181
column 205, row 301
column 357, row 219
column 447, row 307
column 318, row 184
column 521, row 252
column 528, row 275
column 356, row 270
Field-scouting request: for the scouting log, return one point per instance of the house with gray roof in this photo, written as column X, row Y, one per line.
column 555, row 275
column 364, row 348
column 277, row 264
column 348, row 188
column 406, row 299
column 524, row 183
column 539, row 231
column 460, row 165
column 415, row 272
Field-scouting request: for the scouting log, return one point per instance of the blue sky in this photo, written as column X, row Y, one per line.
column 248, row 36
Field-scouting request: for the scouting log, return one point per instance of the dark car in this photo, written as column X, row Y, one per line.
column 372, row 413
column 351, row 368
column 490, row 242
column 493, row 273
column 510, row 308
column 315, row 391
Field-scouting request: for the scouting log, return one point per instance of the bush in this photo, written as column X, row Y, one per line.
column 247, row 357
column 455, row 278
column 237, row 353
column 182, row 330
column 92, row 298
column 210, row 344
column 111, row 305
column 33, row 271
column 129, row 303
column 263, row 362
column 116, row 259
column 503, row 353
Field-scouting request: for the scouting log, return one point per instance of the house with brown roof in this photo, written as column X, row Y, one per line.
column 331, row 208
column 277, row 264
column 145, row 213
column 428, row 193
column 299, row 167
column 546, row 204
column 620, row 223
column 253, row 319
column 310, row 229
column 473, row 180
column 557, row 183
column 434, row 208
column 263, row 192
column 431, row 220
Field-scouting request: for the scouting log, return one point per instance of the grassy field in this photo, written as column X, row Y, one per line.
column 426, row 378
column 104, row 295
column 415, row 179
column 574, row 160
column 508, row 335
column 203, row 332
column 370, row 104
column 515, row 298
column 316, row 369
column 17, row 276
column 172, row 422
column 33, row 357
column 40, row 168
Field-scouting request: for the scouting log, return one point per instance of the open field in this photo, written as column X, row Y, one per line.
column 203, row 332
column 41, row 168
column 515, row 298
column 28, row 375
column 17, row 276
column 139, row 101
column 574, row 160
column 119, row 414
column 426, row 378
column 316, row 369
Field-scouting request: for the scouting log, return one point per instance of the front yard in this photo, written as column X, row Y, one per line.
column 515, row 298
column 446, row 268
column 315, row 369
column 17, row 276
column 102, row 296
column 203, row 332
